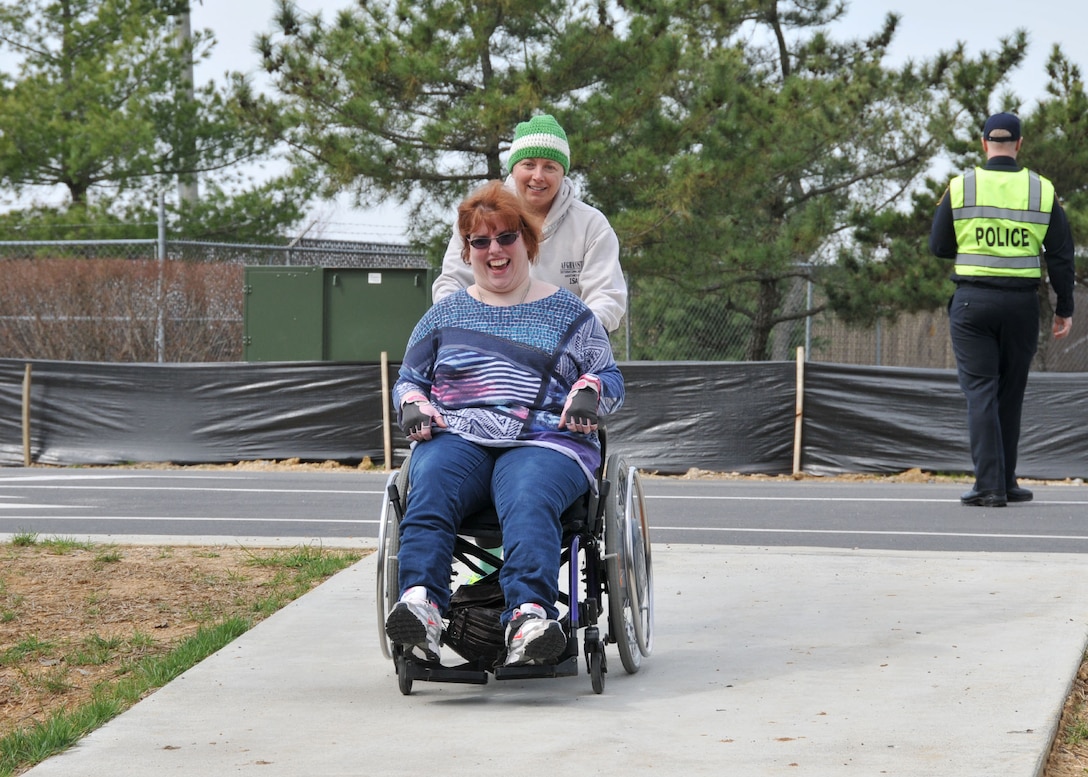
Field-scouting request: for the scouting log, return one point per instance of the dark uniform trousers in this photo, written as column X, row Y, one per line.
column 995, row 334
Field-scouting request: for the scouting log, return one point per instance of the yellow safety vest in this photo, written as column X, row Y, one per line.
column 1000, row 220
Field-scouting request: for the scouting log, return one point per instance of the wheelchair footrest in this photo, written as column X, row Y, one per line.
column 565, row 668
column 466, row 673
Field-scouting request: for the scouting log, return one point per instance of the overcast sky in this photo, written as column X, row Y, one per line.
column 929, row 26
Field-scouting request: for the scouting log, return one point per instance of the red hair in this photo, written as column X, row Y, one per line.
column 494, row 207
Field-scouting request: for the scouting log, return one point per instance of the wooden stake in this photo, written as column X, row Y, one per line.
column 26, row 416
column 799, row 412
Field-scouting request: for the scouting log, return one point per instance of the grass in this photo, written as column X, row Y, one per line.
column 1076, row 733
column 24, row 539
column 22, row 749
column 64, row 545
column 31, row 646
column 139, row 671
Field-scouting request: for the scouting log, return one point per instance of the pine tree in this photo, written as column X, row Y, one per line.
column 100, row 105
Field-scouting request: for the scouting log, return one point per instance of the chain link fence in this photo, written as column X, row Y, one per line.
column 148, row 300
column 183, row 301
column 668, row 323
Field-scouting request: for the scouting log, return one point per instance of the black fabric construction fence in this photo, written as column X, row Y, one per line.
column 722, row 416
column 678, row 416
column 891, row 419
column 106, row 413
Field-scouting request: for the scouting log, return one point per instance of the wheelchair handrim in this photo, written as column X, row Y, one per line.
column 384, row 560
column 640, row 581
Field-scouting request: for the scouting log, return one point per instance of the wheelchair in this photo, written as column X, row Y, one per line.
column 605, row 574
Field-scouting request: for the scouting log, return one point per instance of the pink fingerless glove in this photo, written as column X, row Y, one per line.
column 580, row 410
column 417, row 414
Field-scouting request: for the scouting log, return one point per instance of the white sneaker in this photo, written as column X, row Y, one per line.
column 416, row 623
column 533, row 639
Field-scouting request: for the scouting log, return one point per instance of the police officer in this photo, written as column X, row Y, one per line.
column 997, row 221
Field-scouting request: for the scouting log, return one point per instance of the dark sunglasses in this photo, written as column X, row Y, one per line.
column 505, row 239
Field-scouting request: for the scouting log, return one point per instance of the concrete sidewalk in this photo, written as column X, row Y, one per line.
column 767, row 661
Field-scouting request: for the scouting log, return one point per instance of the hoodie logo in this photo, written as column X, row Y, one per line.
column 572, row 271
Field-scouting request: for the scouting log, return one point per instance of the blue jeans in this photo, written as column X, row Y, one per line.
column 450, row 478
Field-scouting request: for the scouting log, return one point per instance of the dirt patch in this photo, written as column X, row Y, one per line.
column 72, row 618
column 1069, row 756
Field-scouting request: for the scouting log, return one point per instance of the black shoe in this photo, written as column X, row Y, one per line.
column 1017, row 494
column 975, row 498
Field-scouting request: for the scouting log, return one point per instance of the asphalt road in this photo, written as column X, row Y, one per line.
column 79, row 502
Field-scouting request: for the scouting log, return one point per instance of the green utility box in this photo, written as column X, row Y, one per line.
column 331, row 314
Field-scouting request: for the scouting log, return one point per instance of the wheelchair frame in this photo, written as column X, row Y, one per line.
column 606, row 536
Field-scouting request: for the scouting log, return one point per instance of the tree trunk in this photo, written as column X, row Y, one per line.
column 767, row 302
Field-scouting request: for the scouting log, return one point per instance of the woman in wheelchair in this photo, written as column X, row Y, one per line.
column 501, row 390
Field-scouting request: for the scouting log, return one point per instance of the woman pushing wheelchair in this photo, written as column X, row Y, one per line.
column 501, row 389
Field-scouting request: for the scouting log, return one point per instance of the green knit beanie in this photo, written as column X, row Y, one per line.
column 540, row 138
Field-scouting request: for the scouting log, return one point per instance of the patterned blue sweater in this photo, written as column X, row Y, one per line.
column 509, row 389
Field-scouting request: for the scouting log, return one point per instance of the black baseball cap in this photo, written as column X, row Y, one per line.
column 1007, row 126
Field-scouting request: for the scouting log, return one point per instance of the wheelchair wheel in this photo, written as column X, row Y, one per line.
column 595, row 658
column 404, row 680
column 629, row 566
column 637, row 542
column 387, row 591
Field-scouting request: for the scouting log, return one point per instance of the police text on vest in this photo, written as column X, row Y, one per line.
column 999, row 237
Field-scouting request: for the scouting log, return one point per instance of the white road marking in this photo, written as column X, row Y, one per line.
column 203, row 488
column 32, row 506
column 867, row 532
column 930, row 500
column 173, row 518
